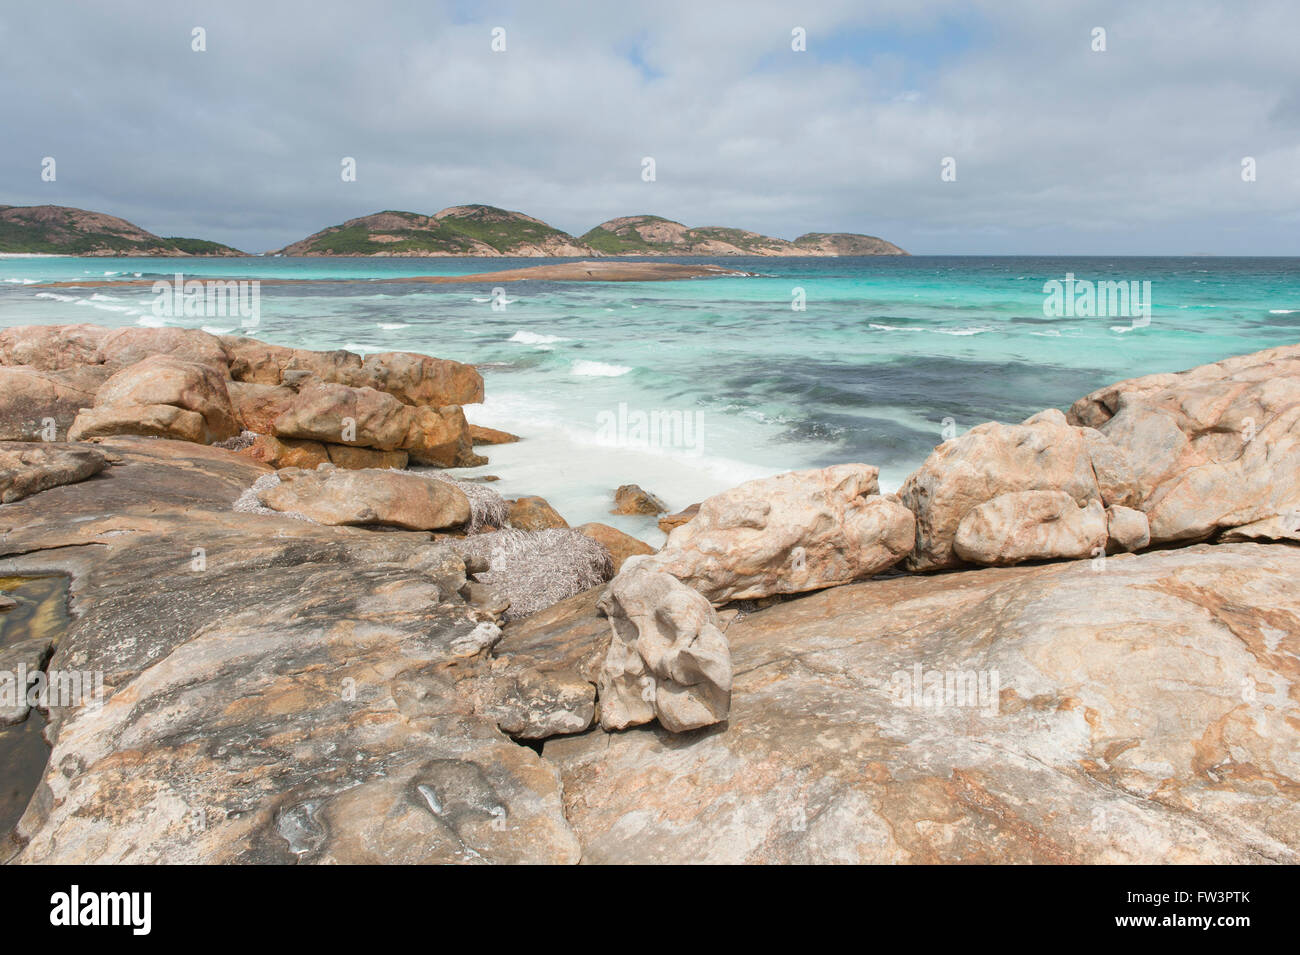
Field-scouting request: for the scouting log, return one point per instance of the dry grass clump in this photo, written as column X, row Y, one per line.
column 536, row 569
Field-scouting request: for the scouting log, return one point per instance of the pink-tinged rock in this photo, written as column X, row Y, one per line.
column 1213, row 448
column 787, row 534
column 51, row 347
column 162, row 396
column 126, row 346
column 1031, row 525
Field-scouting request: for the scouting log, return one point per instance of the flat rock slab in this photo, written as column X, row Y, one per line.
column 1142, row 713
column 274, row 690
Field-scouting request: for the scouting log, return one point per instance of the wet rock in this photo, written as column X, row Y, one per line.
column 481, row 435
column 633, row 499
column 19, row 665
column 621, row 546
column 534, row 514
column 670, row 522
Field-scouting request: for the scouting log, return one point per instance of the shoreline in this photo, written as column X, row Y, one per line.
column 586, row 271
column 474, row 630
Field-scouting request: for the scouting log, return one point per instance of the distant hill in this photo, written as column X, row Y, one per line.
column 459, row 230
column 488, row 231
column 655, row 235
column 62, row 230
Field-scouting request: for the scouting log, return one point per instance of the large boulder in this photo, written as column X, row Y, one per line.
column 787, row 534
column 27, row 469
column 1044, row 453
column 161, row 396
column 340, row 414
column 667, row 659
column 1031, row 525
column 1137, row 712
column 1213, row 449
column 422, row 380
column 391, row 498
column 440, row 437
column 51, row 347
column 127, row 346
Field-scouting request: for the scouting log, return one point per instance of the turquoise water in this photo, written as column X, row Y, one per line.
column 886, row 350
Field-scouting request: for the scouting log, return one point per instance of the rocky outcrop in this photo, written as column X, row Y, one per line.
column 992, row 461
column 667, row 659
column 787, row 534
column 389, row 498
column 390, row 408
column 1060, row 713
column 274, row 691
column 1213, row 449
column 161, row 396
column 27, row 469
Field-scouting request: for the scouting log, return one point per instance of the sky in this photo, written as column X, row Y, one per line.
column 1057, row 147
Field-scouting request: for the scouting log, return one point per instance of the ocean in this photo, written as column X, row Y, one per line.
column 691, row 387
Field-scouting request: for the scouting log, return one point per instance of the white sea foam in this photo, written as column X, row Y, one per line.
column 597, row 369
column 213, row 330
column 392, row 326
column 1283, row 311
column 535, row 338
column 57, row 297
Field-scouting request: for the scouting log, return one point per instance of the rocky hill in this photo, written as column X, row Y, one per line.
column 488, row 231
column 62, row 230
column 655, row 235
column 459, row 230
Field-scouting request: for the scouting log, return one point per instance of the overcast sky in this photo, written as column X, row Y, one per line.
column 1135, row 150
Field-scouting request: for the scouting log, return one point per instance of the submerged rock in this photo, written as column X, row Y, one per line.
column 633, row 499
